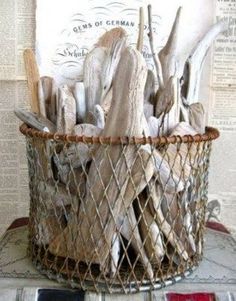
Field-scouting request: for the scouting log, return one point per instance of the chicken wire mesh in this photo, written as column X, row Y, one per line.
column 117, row 215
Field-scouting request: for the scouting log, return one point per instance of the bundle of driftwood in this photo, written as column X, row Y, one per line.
column 134, row 193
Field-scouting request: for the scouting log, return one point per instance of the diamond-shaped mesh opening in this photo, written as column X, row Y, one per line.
column 117, row 217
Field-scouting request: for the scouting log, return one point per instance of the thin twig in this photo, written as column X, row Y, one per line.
column 156, row 60
column 141, row 30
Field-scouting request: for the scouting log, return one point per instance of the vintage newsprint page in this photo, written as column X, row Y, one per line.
column 222, row 114
column 17, row 31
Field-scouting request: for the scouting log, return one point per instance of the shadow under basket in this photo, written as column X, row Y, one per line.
column 117, row 215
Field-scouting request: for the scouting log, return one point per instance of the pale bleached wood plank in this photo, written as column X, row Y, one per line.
column 33, row 77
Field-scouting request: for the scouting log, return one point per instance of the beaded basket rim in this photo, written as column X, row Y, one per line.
column 210, row 134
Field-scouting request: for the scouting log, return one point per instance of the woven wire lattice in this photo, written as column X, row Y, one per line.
column 117, row 215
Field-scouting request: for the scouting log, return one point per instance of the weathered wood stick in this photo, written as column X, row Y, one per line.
column 73, row 178
column 150, row 233
column 100, row 66
column 110, row 37
column 93, row 68
column 32, row 75
column 168, row 54
column 129, row 229
column 47, row 98
column 169, row 179
column 197, row 118
column 35, row 121
column 80, row 153
column 42, row 147
column 150, row 89
column 165, row 98
column 184, row 112
column 181, row 158
column 49, row 226
column 100, row 117
column 154, row 126
column 141, row 30
column 50, row 92
column 115, row 255
column 79, row 95
column 165, row 227
column 174, row 211
column 106, row 103
column 188, row 220
column 41, row 98
column 168, row 107
column 56, row 195
column 194, row 64
column 183, row 128
column 66, row 119
column 110, row 66
column 148, row 110
column 156, row 60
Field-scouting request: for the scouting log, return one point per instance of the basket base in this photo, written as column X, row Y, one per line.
column 87, row 282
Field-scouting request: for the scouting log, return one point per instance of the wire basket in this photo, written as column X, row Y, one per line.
column 117, row 214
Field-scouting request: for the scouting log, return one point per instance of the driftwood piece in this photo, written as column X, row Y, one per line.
column 197, row 205
column 155, row 207
column 80, row 153
column 197, row 117
column 106, row 103
column 169, row 179
column 100, row 66
column 156, row 59
column 42, row 147
column 99, row 116
column 47, row 98
column 194, row 64
column 110, row 37
column 174, row 211
column 32, row 75
column 164, row 101
column 184, row 111
column 188, row 218
column 166, row 98
column 168, row 106
column 168, row 54
column 35, row 121
column 66, row 118
column 79, row 95
column 115, row 255
column 130, row 231
column 42, row 157
column 41, row 99
column 154, row 126
column 73, row 178
column 182, row 158
column 150, row 232
column 141, row 30
column 85, row 129
column 183, row 128
column 128, row 105
column 51, row 225
column 150, row 90
column 54, row 195
column 93, row 68
column 148, row 110
column 110, row 66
